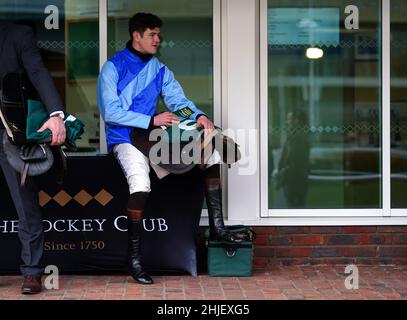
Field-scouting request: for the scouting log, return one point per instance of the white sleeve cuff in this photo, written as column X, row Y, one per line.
column 58, row 113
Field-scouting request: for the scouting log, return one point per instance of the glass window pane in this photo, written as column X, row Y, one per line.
column 186, row 42
column 398, row 94
column 70, row 50
column 324, row 104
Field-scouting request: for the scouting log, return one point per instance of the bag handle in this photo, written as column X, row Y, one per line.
column 230, row 252
column 62, row 165
column 5, row 124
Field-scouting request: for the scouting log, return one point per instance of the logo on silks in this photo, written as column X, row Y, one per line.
column 187, row 125
column 87, row 225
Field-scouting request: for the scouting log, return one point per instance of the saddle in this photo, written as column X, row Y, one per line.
column 182, row 146
column 29, row 158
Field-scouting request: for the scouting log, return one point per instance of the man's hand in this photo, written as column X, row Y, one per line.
column 57, row 127
column 165, row 119
column 203, row 121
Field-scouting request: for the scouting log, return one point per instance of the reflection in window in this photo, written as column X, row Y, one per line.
column 71, row 53
column 324, row 105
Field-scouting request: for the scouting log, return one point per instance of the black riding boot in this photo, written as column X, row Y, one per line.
column 134, row 222
column 213, row 194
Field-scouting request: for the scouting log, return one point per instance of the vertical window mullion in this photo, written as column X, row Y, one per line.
column 386, row 126
column 217, row 64
column 102, row 59
column 264, row 212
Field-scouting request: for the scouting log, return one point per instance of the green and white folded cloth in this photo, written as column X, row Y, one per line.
column 38, row 115
column 186, row 130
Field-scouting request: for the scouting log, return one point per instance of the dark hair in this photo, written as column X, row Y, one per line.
column 141, row 21
column 300, row 116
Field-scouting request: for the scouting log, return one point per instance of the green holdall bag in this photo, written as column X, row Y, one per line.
column 228, row 259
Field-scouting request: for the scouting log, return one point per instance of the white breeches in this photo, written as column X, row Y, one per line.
column 136, row 169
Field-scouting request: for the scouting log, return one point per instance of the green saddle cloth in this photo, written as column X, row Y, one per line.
column 185, row 131
column 37, row 115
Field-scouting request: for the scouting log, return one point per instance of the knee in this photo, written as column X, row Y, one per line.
column 139, row 183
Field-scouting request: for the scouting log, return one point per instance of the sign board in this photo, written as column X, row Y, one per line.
column 303, row 26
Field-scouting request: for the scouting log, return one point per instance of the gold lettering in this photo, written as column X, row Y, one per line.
column 56, row 246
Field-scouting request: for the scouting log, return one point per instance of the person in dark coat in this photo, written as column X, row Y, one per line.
column 293, row 167
column 19, row 53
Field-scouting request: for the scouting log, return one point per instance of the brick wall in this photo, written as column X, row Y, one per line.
column 330, row 245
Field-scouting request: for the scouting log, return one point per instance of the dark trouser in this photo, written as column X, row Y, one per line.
column 30, row 226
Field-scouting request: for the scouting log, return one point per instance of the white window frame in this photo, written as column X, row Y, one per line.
column 217, row 72
column 384, row 215
column 103, row 16
column 240, row 102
